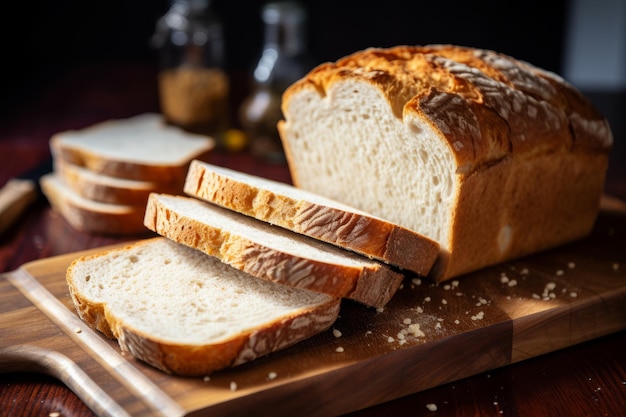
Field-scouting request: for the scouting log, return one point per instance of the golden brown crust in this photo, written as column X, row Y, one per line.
column 363, row 234
column 177, row 359
column 116, row 220
column 187, row 360
column 373, row 285
column 537, row 110
column 105, row 192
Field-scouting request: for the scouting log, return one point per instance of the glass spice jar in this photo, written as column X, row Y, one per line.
column 193, row 83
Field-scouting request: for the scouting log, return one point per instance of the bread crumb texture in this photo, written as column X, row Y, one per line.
column 159, row 294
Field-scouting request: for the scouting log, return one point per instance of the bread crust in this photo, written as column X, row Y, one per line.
column 78, row 148
column 367, row 235
column 372, row 284
column 418, row 79
column 198, row 360
column 94, row 217
column 530, row 151
column 100, row 188
column 188, row 360
column 133, row 170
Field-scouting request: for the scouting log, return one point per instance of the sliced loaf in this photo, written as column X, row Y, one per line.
column 312, row 215
column 141, row 148
column 270, row 252
column 187, row 313
column 92, row 216
column 491, row 157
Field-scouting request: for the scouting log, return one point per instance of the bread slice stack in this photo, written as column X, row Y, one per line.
column 104, row 174
column 244, row 267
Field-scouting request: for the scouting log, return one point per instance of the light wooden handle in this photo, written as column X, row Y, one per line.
column 15, row 196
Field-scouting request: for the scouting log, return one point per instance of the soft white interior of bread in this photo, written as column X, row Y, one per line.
column 178, row 294
column 261, row 232
column 336, row 141
column 145, row 138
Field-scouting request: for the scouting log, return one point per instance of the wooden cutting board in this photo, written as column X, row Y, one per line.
column 482, row 321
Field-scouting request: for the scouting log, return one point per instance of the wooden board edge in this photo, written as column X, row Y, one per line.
column 73, row 327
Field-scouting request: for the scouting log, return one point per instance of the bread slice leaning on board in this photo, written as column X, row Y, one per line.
column 141, row 148
column 489, row 156
column 271, row 253
column 311, row 215
column 187, row 313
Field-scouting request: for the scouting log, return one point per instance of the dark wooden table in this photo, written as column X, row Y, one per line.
column 584, row 380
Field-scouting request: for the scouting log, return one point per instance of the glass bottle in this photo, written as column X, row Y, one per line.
column 283, row 61
column 193, row 84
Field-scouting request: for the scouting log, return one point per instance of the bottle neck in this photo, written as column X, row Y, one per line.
column 285, row 57
column 287, row 39
column 285, row 28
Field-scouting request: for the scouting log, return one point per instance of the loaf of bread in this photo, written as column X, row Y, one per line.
column 311, row 215
column 187, row 313
column 141, row 148
column 489, row 156
column 271, row 253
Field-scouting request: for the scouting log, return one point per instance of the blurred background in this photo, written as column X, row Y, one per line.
column 583, row 40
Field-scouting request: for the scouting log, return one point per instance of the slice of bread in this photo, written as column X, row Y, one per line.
column 187, row 313
column 107, row 189
column 91, row 216
column 269, row 252
column 141, row 148
column 312, row 215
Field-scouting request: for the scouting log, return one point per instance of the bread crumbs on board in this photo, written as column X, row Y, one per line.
column 478, row 316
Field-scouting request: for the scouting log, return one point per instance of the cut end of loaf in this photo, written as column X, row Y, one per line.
column 358, row 126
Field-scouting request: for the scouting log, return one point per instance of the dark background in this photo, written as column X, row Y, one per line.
column 42, row 40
